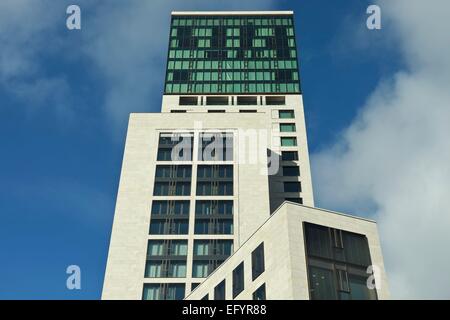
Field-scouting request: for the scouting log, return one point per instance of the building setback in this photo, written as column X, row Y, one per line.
column 223, row 170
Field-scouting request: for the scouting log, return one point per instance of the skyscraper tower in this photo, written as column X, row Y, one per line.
column 201, row 180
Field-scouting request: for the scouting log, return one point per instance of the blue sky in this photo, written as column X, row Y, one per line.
column 65, row 97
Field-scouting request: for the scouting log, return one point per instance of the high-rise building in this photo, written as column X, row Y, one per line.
column 218, row 183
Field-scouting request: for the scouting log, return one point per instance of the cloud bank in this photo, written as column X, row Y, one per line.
column 393, row 161
column 127, row 41
column 122, row 45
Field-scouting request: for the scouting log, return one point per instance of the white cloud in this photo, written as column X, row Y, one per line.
column 127, row 41
column 28, row 32
column 393, row 160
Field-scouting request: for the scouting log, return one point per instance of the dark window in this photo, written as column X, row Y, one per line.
column 292, row 187
column 194, row 285
column 164, row 154
column 216, row 146
column 337, row 261
column 318, row 241
column 258, row 261
column 214, row 207
column 291, row 171
column 177, row 111
column 212, row 248
column 162, row 208
column 166, row 268
column 287, row 127
column 213, row 226
column 286, row 114
column 172, row 180
column 205, row 297
column 247, row 101
column 322, row 285
column 188, row 101
column 289, row 155
column 213, row 172
column 174, row 147
column 173, row 172
column 163, row 291
column 202, row 268
column 216, row 101
column 219, row 291
column 238, row 280
column 216, row 111
column 260, row 293
column 167, row 248
column 215, row 188
column 296, row 200
column 169, row 226
column 247, row 111
column 276, row 100
column 172, row 188
column 288, row 141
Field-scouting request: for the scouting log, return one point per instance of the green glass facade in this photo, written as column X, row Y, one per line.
column 232, row 54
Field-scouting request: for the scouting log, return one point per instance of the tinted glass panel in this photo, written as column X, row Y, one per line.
column 238, row 280
column 229, row 54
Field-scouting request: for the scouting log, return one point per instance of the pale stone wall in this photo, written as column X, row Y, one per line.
column 124, row 275
column 293, row 102
column 285, row 272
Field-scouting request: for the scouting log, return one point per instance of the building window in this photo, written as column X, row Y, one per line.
column 215, row 171
column 238, row 280
column 165, row 269
column 260, row 293
column 219, row 291
column 163, row 208
column 188, row 101
column 213, row 226
column 169, row 172
column 295, row 200
column 217, row 208
column 289, row 155
column 216, row 101
column 163, row 291
column 167, row 248
column 214, row 188
column 288, row 141
column 291, row 171
column 194, row 285
column 172, row 188
column 216, row 146
column 169, row 226
column 222, row 55
column 222, row 248
column 175, row 147
column 205, row 297
column 276, row 100
column 287, row 127
column 247, row 101
column 215, row 180
column 292, row 187
column 258, row 261
column 200, row 269
column 337, row 264
column 286, row 114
